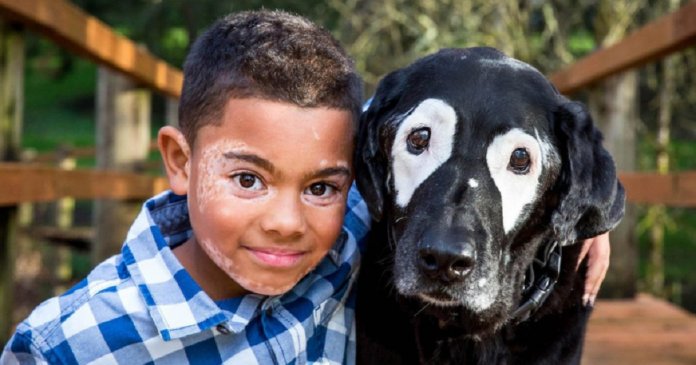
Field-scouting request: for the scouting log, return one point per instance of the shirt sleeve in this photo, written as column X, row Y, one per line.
column 21, row 350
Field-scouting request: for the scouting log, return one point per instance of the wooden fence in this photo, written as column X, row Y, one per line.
column 71, row 28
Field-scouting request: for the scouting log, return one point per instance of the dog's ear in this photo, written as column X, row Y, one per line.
column 370, row 160
column 591, row 197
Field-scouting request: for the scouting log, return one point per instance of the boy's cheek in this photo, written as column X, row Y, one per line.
column 212, row 185
column 328, row 225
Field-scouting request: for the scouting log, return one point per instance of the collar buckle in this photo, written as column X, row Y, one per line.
column 540, row 279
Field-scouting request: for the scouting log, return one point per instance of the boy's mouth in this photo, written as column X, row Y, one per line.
column 279, row 258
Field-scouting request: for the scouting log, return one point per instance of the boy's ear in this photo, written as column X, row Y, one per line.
column 176, row 156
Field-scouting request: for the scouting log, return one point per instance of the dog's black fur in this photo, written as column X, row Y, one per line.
column 578, row 196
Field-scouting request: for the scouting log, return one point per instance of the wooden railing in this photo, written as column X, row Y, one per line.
column 30, row 183
column 72, row 28
column 668, row 34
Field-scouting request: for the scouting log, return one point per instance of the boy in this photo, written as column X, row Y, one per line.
column 244, row 261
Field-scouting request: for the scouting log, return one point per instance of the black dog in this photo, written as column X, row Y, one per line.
column 478, row 173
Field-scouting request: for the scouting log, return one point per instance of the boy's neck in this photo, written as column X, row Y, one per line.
column 214, row 282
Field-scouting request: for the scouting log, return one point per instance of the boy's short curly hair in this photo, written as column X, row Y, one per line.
column 271, row 55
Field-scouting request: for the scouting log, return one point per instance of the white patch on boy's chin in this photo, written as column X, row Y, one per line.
column 410, row 170
column 516, row 191
column 232, row 270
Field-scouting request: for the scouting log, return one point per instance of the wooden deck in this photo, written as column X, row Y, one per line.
column 641, row 331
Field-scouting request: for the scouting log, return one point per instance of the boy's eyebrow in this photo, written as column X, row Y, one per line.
column 329, row 171
column 268, row 165
column 251, row 158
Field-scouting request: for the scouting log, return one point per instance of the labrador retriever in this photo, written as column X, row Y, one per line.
column 481, row 179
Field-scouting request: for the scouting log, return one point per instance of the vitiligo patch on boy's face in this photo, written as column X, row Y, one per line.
column 270, row 232
column 213, row 182
column 232, row 269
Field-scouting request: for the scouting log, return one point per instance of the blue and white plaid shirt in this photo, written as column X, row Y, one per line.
column 143, row 307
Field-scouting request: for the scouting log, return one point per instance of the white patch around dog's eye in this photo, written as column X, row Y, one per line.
column 414, row 159
column 505, row 157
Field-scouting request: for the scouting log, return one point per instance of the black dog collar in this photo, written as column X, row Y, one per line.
column 539, row 281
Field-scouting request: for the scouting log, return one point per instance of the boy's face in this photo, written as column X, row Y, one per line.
column 267, row 190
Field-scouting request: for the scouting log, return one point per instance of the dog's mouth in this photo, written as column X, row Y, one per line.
column 439, row 298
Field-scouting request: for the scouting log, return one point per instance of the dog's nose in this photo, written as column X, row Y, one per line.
column 448, row 262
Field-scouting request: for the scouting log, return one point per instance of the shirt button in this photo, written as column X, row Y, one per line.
column 223, row 329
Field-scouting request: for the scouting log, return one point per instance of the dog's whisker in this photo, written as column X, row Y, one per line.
column 426, row 305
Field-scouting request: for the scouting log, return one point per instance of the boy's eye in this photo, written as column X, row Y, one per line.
column 320, row 189
column 248, row 181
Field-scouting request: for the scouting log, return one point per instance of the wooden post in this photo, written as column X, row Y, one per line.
column 123, row 140
column 614, row 104
column 11, row 104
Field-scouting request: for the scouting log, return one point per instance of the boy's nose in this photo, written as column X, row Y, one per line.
column 284, row 217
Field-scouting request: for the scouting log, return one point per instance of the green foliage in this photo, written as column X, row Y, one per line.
column 581, row 43
column 679, row 253
column 59, row 107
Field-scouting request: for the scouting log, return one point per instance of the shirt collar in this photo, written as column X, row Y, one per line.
column 176, row 303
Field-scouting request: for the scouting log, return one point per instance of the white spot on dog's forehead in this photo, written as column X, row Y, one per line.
column 473, row 183
column 410, row 170
column 508, row 62
column 516, row 190
column 482, row 282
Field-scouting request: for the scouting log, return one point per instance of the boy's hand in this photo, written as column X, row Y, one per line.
column 599, row 251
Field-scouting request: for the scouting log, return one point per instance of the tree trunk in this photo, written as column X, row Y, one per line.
column 655, row 275
column 614, row 107
column 614, row 104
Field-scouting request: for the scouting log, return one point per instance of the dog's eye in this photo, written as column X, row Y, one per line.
column 519, row 161
column 418, row 140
